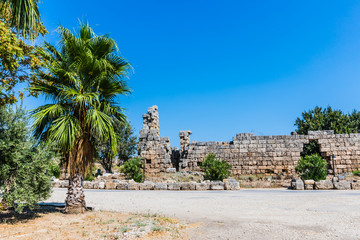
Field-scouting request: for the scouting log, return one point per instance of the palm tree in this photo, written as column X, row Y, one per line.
column 83, row 78
column 23, row 15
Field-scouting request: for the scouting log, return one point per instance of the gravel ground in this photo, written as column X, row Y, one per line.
column 244, row 214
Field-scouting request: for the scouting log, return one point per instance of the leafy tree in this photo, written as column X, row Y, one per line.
column 24, row 167
column 126, row 147
column 214, row 168
column 328, row 119
column 83, row 78
column 312, row 167
column 17, row 59
column 133, row 169
column 23, row 16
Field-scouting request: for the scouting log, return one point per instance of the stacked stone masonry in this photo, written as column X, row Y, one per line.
column 248, row 154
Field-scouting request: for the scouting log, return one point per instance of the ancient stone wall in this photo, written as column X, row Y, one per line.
column 155, row 150
column 248, row 154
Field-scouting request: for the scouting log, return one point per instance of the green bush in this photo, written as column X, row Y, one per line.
column 55, row 170
column 90, row 173
column 312, row 167
column 132, row 169
column 356, row 172
column 214, row 168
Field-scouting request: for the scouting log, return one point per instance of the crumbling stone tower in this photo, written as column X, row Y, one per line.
column 155, row 150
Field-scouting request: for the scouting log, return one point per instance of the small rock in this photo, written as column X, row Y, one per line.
column 101, row 185
column 171, row 170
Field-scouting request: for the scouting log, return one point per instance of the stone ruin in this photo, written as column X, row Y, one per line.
column 248, row 154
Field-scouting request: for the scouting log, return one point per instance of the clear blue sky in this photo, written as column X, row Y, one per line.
column 223, row 67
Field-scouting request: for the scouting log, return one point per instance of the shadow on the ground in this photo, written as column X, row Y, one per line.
column 10, row 216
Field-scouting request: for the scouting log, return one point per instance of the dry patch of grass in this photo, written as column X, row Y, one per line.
column 52, row 224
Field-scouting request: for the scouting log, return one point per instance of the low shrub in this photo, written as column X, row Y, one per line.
column 214, row 168
column 356, row 172
column 132, row 169
column 312, row 167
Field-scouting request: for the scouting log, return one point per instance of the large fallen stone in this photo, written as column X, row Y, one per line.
column 231, row 184
column 160, row 186
column 188, row 185
column 87, row 184
column 147, row 185
column 342, row 185
column 110, row 185
column 324, row 185
column 133, row 185
column 173, row 186
column 297, row 184
column 202, row 186
column 122, row 185
column 355, row 185
column 101, row 185
column 95, row 185
column 216, row 185
column 309, row 184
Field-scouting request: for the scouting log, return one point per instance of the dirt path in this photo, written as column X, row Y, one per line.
column 244, row 214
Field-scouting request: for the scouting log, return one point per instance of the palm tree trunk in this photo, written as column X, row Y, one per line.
column 75, row 200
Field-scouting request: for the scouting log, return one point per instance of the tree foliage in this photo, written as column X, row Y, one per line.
column 126, row 145
column 18, row 59
column 133, row 169
column 328, row 119
column 24, row 167
column 83, row 78
column 312, row 167
column 215, row 168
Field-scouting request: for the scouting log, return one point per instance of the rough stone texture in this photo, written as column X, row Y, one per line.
column 231, row 184
column 147, row 185
column 309, row 184
column 324, row 185
column 355, row 185
column 216, row 185
column 155, row 150
column 203, row 186
column 101, row 185
column 188, row 186
column 122, row 185
column 342, row 185
column 88, row 185
column 248, row 154
column 297, row 184
column 110, row 185
column 160, row 186
column 173, row 186
column 133, row 185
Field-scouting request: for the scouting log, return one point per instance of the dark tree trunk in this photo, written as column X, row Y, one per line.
column 75, row 199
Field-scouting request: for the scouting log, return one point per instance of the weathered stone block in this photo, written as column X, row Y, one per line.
column 110, row 185
column 171, row 170
column 324, row 185
column 188, row 185
column 173, row 186
column 147, row 185
column 231, row 184
column 342, row 185
column 216, row 185
column 95, row 185
column 88, row 184
column 160, row 186
column 101, row 185
column 355, row 185
column 122, row 186
column 202, row 186
column 133, row 185
column 297, row 184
